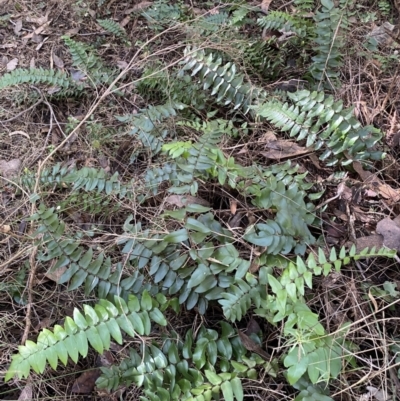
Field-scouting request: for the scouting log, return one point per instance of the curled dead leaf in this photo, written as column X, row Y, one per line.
column 283, row 149
column 85, row 383
column 184, row 200
column 12, row 65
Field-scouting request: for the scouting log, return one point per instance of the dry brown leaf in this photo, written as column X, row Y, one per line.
column 121, row 64
column 233, row 205
column 58, row 61
column 252, row 327
column 19, row 133
column 38, row 20
column 314, row 160
column 390, row 232
column 26, row 393
column 283, row 149
column 85, row 383
column 250, row 345
column 32, row 63
column 56, row 275
column 12, row 65
column 139, row 7
column 265, row 5
column 9, row 168
column 367, row 242
column 4, row 229
column 184, row 200
column 385, row 190
column 125, row 21
column 18, row 27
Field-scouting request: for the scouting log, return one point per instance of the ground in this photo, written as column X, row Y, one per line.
column 359, row 205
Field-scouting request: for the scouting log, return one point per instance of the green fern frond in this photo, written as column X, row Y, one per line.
column 173, row 370
column 212, row 23
column 304, row 5
column 83, row 56
column 329, row 42
column 145, row 123
column 61, row 84
column 83, row 266
column 223, row 80
column 95, row 327
column 113, row 27
column 282, row 21
column 324, row 124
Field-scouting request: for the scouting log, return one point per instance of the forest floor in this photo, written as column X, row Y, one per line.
column 358, row 206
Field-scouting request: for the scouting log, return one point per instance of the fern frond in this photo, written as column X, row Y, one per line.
column 329, row 42
column 113, row 27
column 144, row 126
column 95, row 327
column 83, row 56
column 167, row 372
column 284, row 22
column 223, row 80
column 324, row 124
column 83, row 266
column 61, row 84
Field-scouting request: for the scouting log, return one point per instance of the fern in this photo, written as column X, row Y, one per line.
column 144, row 126
column 329, row 42
column 83, row 267
column 85, row 58
column 262, row 57
column 186, row 369
column 59, row 84
column 87, row 179
column 324, row 124
column 211, row 23
column 161, row 14
column 223, row 80
column 304, row 5
column 284, row 22
column 113, row 27
column 96, row 327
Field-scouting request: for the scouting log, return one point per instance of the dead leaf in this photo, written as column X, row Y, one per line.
column 139, row 7
column 390, row 232
column 18, row 27
column 184, row 200
column 4, row 61
column 314, row 160
column 233, row 205
column 44, row 323
column 85, row 383
column 37, row 38
column 379, row 395
column 12, row 65
column 283, row 149
column 265, row 5
column 5, row 229
column 367, row 242
column 26, row 393
column 56, row 275
column 9, row 168
column 121, row 64
column 38, row 20
column 125, row 21
column 32, row 63
column 384, row 190
column 250, row 345
column 382, row 34
column 252, row 327
column 19, row 133
column 58, row 61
